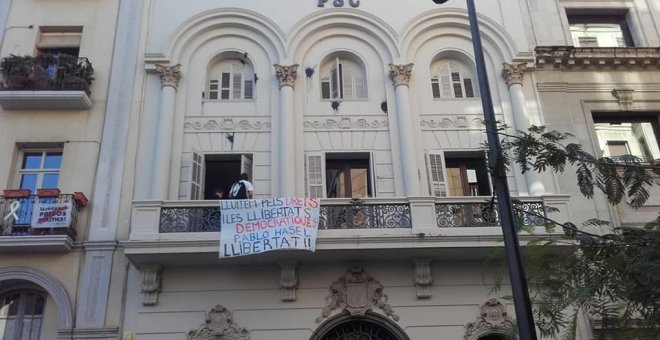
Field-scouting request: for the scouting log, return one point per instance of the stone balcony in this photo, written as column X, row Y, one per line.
column 177, row 232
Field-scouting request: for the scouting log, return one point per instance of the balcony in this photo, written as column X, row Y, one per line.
column 465, row 227
column 39, row 223
column 45, row 82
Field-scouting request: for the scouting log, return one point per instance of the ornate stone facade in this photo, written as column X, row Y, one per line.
column 493, row 319
column 423, row 278
column 286, row 75
column 169, row 75
column 513, row 73
column 347, row 123
column 288, row 281
column 219, row 324
column 625, row 98
column 400, row 74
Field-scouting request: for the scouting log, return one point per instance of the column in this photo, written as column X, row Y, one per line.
column 284, row 147
column 513, row 76
column 160, row 180
column 400, row 75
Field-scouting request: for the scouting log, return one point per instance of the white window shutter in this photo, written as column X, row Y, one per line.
column 347, row 82
column 246, row 166
column 435, row 162
column 315, row 175
column 360, row 83
column 196, row 175
column 445, row 81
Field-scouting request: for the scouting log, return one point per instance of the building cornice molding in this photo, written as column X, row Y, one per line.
column 599, row 58
column 595, row 87
column 346, row 123
column 194, row 124
column 452, row 123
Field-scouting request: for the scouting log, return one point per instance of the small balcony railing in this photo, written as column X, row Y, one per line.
column 334, row 214
column 21, row 215
column 46, row 72
column 460, row 214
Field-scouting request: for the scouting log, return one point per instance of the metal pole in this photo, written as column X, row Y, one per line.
column 523, row 306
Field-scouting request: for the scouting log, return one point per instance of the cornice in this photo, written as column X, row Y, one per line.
column 346, row 123
column 201, row 124
column 599, row 58
column 595, row 87
column 452, row 123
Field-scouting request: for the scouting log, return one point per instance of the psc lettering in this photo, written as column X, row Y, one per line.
column 340, row 3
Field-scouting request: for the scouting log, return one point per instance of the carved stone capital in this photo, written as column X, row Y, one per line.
column 286, row 75
column 625, row 98
column 423, row 278
column 151, row 280
column 356, row 292
column 493, row 319
column 400, row 74
column 219, row 324
column 288, row 281
column 513, row 73
column 169, row 75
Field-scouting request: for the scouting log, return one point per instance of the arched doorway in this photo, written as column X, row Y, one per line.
column 371, row 326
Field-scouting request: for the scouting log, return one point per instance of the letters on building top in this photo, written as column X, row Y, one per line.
column 339, row 3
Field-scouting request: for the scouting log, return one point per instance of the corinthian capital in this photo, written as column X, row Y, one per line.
column 169, row 75
column 400, row 74
column 286, row 75
column 513, row 73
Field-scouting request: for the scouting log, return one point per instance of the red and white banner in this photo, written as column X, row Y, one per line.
column 51, row 215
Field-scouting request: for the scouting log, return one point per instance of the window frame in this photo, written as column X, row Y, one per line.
column 452, row 66
column 21, row 312
column 198, row 162
column 439, row 182
column 615, row 16
column 319, row 160
column 337, row 75
column 227, row 66
column 70, row 36
column 617, row 117
column 41, row 171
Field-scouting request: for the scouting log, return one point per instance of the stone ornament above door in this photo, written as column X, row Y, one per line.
column 356, row 292
column 493, row 319
column 219, row 325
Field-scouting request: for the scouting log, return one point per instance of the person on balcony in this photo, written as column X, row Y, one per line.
column 242, row 189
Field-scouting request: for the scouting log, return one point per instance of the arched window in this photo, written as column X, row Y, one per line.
column 451, row 79
column 21, row 315
column 231, row 79
column 343, row 77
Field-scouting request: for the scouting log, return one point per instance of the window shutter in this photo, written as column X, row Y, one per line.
column 456, row 82
column 325, row 88
column 196, row 175
column 334, row 83
column 249, row 89
column 347, row 82
column 246, row 166
column 213, row 89
column 435, row 87
column 314, row 173
column 469, row 91
column 224, row 85
column 435, row 161
column 237, row 83
column 445, row 82
column 360, row 83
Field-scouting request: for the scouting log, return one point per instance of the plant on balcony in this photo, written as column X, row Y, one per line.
column 46, row 72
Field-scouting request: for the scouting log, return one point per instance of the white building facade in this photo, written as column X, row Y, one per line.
column 373, row 107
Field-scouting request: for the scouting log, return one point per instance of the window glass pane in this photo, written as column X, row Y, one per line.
column 435, row 88
column 225, row 80
column 50, row 181
column 213, row 95
column 248, row 89
column 224, row 94
column 53, row 160
column 325, row 89
column 32, row 160
column 29, row 181
column 469, row 92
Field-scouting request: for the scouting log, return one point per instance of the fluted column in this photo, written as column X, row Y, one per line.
column 513, row 76
column 400, row 75
column 169, row 80
column 284, row 150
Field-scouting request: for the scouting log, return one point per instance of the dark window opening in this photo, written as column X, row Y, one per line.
column 636, row 134
column 221, row 171
column 467, row 174
column 348, row 175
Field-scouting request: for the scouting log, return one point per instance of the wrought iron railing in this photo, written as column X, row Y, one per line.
column 484, row 214
column 189, row 219
column 46, row 72
column 17, row 216
column 365, row 215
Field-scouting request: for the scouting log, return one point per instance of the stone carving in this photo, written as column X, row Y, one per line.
column 346, row 123
column 219, row 324
column 169, row 75
column 227, row 124
column 356, row 293
column 454, row 122
column 400, row 74
column 493, row 319
column 288, row 281
column 151, row 280
column 513, row 73
column 423, row 278
column 286, row 75
column 598, row 57
column 625, row 98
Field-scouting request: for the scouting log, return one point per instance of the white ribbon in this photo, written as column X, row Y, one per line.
column 15, row 205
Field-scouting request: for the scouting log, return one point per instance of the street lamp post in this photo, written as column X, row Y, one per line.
column 523, row 307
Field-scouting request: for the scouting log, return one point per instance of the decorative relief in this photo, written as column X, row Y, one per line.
column 356, row 293
column 219, row 323
column 151, row 280
column 455, row 122
column 286, row 75
column 597, row 57
column 423, row 278
column 346, row 123
column 625, row 98
column 493, row 319
column 513, row 73
column 400, row 74
column 227, row 124
column 169, row 75
column 288, row 281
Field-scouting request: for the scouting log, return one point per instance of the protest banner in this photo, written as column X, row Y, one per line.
column 51, row 215
column 257, row 226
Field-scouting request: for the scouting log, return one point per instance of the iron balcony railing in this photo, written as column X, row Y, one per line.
column 18, row 220
column 46, row 72
column 334, row 214
column 479, row 212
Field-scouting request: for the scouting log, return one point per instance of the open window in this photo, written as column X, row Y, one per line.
column 231, row 77
column 339, row 175
column 621, row 135
column 461, row 173
column 58, row 40
column 343, row 77
column 601, row 29
column 211, row 172
column 452, row 78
